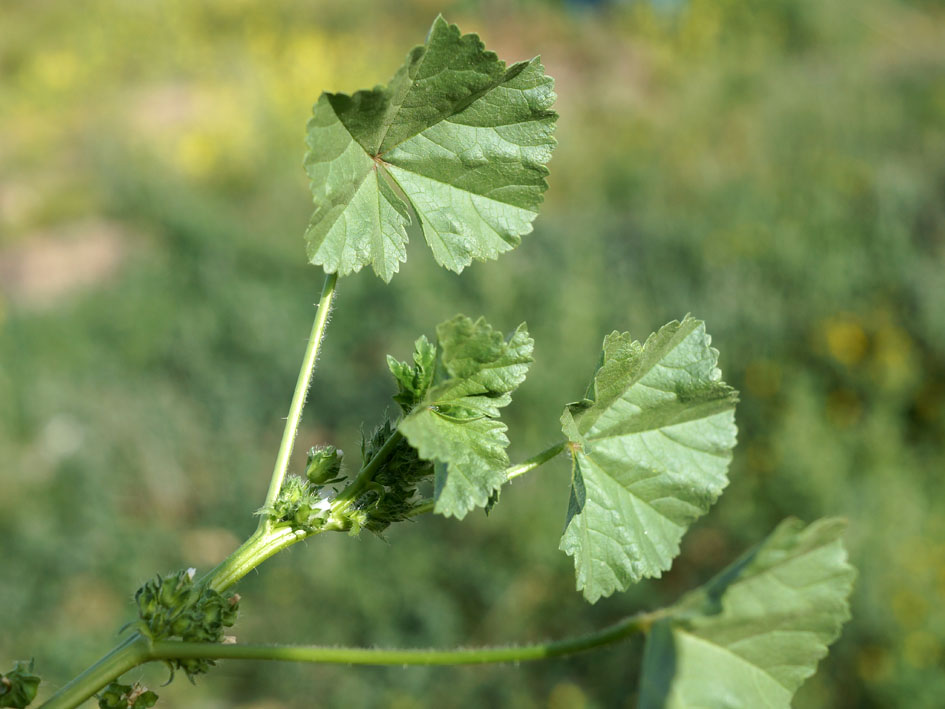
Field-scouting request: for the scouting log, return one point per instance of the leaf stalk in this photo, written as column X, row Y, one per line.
column 298, row 397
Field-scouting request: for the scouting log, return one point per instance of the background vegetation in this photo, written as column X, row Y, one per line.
column 776, row 167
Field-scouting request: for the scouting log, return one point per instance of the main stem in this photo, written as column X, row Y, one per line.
column 298, row 397
column 137, row 650
column 129, row 654
column 640, row 623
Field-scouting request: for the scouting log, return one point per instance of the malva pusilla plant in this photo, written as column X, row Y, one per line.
column 459, row 141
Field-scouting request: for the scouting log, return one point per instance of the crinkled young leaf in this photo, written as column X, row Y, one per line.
column 456, row 424
column 751, row 636
column 462, row 136
column 650, row 450
column 413, row 380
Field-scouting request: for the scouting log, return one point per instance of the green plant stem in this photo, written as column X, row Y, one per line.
column 265, row 542
column 135, row 650
column 535, row 461
column 129, row 654
column 301, row 391
column 367, row 473
column 640, row 623
column 510, row 473
column 254, row 551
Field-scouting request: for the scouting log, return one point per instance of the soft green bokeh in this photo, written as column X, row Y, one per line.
column 776, row 167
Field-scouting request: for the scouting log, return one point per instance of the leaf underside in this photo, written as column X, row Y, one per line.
column 650, row 449
column 457, row 135
column 751, row 636
column 456, row 424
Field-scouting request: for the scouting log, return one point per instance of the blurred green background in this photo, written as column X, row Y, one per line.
column 775, row 167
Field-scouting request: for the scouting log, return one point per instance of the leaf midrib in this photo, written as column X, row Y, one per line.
column 462, row 106
column 686, row 327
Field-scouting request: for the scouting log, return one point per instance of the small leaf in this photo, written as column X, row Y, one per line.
column 751, row 636
column 456, row 425
column 650, row 449
column 463, row 137
column 414, row 380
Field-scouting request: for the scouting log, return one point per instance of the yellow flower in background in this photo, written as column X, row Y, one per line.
column 197, row 154
column 846, row 340
column 922, row 649
column 217, row 135
column 55, row 70
column 909, row 608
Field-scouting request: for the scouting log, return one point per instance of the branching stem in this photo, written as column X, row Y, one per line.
column 254, row 551
column 127, row 655
column 137, row 650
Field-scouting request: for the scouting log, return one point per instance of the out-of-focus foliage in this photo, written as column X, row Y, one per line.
column 775, row 166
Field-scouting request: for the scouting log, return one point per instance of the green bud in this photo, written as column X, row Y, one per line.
column 19, row 686
column 324, row 464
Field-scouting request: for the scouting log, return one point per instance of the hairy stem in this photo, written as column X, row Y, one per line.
column 135, row 650
column 132, row 652
column 254, row 551
column 640, row 623
column 535, row 461
column 301, row 391
column 267, row 541
column 367, row 473
column 510, row 473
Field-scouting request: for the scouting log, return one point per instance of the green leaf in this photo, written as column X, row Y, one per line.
column 751, row 636
column 464, row 138
column 456, row 424
column 650, row 450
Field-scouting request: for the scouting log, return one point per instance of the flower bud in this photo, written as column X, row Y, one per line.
column 324, row 464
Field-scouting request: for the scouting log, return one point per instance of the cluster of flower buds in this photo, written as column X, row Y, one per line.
column 173, row 606
column 301, row 505
column 126, row 696
column 394, row 492
column 18, row 687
